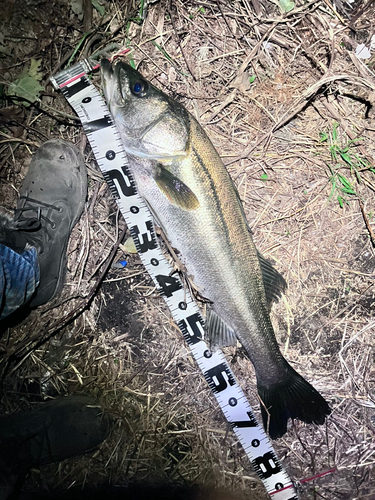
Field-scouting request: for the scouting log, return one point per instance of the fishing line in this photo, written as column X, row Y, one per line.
column 110, row 155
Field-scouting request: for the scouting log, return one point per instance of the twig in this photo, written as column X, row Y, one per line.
column 335, row 12
column 256, row 6
column 38, row 105
column 178, row 38
column 360, row 12
column 21, row 141
column 367, row 222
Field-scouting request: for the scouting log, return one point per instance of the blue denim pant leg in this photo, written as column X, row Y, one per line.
column 19, row 277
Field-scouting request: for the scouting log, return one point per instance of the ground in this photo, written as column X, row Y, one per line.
column 289, row 106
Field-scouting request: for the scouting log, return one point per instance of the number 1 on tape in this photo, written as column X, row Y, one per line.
column 110, row 155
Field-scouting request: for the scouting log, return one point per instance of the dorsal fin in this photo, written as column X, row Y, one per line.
column 274, row 283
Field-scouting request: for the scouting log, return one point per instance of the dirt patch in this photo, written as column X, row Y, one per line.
column 118, row 309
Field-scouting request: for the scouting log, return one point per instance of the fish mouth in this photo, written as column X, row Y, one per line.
column 106, row 68
column 106, row 74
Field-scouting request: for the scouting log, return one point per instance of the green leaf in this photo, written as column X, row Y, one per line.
column 80, row 43
column 332, row 190
column 252, row 78
column 347, row 187
column 344, row 181
column 333, row 152
column 346, row 158
column 286, row 5
column 353, row 141
column 27, row 85
column 341, row 201
column 264, row 177
column 141, row 8
column 98, row 6
column 362, row 161
column 323, row 136
column 34, row 70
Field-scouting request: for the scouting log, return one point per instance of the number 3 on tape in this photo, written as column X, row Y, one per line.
column 111, row 157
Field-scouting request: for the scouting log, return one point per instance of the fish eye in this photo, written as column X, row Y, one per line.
column 139, row 88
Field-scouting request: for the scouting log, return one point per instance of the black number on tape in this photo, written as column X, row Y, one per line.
column 144, row 241
column 192, row 328
column 245, row 423
column 219, row 377
column 95, row 125
column 168, row 284
column 124, row 180
column 266, row 465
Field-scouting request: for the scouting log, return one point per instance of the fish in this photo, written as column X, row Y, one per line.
column 183, row 180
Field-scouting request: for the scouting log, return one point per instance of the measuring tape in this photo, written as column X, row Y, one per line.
column 111, row 157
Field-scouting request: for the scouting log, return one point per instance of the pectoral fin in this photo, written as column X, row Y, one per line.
column 175, row 190
column 218, row 333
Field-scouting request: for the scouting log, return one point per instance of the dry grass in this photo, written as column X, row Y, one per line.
column 120, row 344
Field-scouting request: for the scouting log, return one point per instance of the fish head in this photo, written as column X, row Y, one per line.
column 151, row 125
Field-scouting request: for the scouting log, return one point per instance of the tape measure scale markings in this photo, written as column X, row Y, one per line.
column 111, row 158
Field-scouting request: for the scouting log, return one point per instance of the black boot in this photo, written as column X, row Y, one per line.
column 52, row 432
column 51, row 201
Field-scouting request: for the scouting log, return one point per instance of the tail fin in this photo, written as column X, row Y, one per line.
column 291, row 398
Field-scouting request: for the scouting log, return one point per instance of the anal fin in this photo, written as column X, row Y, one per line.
column 218, row 333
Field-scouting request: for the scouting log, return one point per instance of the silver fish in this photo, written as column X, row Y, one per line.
column 187, row 187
